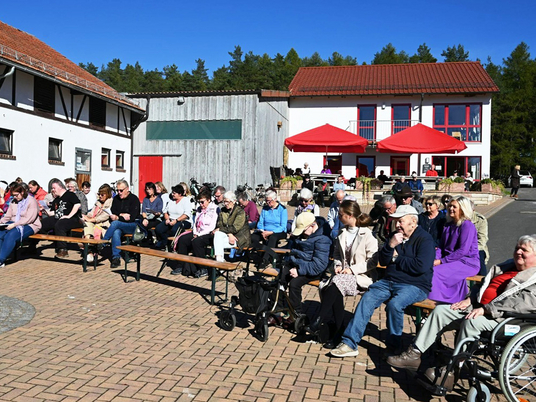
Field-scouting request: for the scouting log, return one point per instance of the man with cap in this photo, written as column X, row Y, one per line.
column 409, row 257
column 308, row 257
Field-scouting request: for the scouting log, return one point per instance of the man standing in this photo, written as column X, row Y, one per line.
column 125, row 211
column 409, row 256
column 66, row 207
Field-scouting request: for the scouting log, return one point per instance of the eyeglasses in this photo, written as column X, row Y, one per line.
column 227, row 202
column 102, row 194
column 15, row 194
column 429, row 204
column 406, row 197
column 202, row 201
column 268, row 200
column 120, row 190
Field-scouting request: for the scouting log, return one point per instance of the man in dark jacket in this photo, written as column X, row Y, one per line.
column 125, row 211
column 309, row 255
column 409, row 256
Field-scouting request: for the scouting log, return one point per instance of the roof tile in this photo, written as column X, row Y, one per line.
column 393, row 79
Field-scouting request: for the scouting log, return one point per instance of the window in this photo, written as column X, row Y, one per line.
column 401, row 118
column 366, row 121
column 459, row 121
column 105, row 157
column 97, row 112
column 54, row 149
column 44, row 95
column 83, row 161
column 446, row 165
column 6, row 142
column 365, row 166
column 119, row 160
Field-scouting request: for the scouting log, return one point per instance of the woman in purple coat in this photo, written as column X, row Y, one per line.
column 457, row 255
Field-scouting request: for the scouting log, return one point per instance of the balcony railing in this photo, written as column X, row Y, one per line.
column 373, row 130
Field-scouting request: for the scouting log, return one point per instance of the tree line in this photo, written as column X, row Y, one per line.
column 513, row 130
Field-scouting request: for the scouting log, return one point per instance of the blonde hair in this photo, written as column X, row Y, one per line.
column 465, row 207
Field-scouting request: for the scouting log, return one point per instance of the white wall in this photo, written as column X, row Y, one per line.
column 308, row 113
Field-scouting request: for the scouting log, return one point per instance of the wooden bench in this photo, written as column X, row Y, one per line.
column 226, row 267
column 85, row 242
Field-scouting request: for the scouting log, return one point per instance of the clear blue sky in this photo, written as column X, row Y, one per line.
column 161, row 33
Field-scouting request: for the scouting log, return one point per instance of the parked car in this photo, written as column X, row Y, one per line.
column 525, row 180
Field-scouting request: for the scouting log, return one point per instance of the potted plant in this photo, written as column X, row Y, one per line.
column 492, row 186
column 456, row 185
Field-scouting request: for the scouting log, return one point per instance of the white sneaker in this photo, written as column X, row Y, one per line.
column 90, row 258
column 343, row 350
column 2, row 265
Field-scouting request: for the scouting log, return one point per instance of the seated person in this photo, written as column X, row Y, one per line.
column 66, row 209
column 416, row 185
column 151, row 208
column 326, row 170
column 333, row 214
column 355, row 260
column 232, row 229
column 507, row 288
column 90, row 196
column 36, row 190
column 272, row 226
column 72, row 186
column 218, row 196
column 322, row 191
column 457, row 255
column 177, row 215
column 399, row 184
column 384, row 224
column 308, row 183
column 339, row 185
column 306, row 203
column 405, row 196
column 98, row 219
column 162, row 192
column 308, row 257
column 382, row 177
column 250, row 208
column 432, row 220
column 431, row 172
column 125, row 212
column 23, row 221
column 481, row 225
column 409, row 257
column 206, row 217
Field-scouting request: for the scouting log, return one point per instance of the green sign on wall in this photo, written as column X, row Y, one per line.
column 195, row 130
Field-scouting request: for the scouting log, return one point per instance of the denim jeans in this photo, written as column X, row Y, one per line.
column 397, row 297
column 116, row 230
column 10, row 238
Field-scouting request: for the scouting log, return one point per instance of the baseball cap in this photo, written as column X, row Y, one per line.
column 303, row 220
column 404, row 210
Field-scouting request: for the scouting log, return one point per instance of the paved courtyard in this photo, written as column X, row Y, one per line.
column 95, row 338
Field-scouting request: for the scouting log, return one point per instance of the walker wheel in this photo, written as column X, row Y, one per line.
column 262, row 330
column 227, row 320
column 301, row 322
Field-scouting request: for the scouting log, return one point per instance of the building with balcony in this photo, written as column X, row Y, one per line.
column 378, row 101
column 56, row 119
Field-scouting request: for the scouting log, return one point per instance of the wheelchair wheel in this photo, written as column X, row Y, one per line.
column 262, row 330
column 227, row 320
column 472, row 395
column 517, row 370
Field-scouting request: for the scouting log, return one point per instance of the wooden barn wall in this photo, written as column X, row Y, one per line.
column 226, row 162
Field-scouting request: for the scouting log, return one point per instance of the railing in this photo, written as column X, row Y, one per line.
column 61, row 74
column 374, row 129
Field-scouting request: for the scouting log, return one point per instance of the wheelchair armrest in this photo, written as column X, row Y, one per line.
column 523, row 316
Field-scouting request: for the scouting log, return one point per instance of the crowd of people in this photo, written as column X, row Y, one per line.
column 428, row 249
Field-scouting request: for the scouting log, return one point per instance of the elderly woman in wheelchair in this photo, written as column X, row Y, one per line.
column 508, row 289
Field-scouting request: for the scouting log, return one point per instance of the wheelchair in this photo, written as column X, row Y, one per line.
column 507, row 355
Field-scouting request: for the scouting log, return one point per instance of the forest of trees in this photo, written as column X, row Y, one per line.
column 513, row 118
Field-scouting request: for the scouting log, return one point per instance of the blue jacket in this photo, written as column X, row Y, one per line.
column 414, row 264
column 311, row 256
column 273, row 220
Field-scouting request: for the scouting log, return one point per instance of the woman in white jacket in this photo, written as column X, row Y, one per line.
column 355, row 260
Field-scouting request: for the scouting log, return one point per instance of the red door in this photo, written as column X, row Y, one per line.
column 150, row 169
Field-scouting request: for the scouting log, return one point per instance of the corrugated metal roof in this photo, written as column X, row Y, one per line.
column 26, row 50
column 393, row 79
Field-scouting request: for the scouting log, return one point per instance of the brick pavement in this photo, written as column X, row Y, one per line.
column 95, row 338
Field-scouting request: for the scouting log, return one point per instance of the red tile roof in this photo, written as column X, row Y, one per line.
column 393, row 79
column 24, row 49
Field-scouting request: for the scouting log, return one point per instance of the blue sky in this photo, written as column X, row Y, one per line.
column 161, row 33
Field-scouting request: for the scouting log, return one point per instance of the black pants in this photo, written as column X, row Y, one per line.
column 320, row 198
column 197, row 246
column 257, row 241
column 60, row 227
column 483, row 268
column 332, row 306
column 514, row 190
column 295, row 287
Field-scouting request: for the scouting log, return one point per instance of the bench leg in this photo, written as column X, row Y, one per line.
column 138, row 267
column 213, row 288
column 84, row 257
column 418, row 319
column 125, row 276
column 162, row 267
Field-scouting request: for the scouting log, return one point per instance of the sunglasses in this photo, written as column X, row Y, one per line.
column 429, row 204
column 120, row 190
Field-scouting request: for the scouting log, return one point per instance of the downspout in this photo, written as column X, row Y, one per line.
column 420, row 108
column 132, row 129
column 420, row 121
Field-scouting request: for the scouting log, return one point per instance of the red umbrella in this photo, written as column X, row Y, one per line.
column 326, row 138
column 421, row 139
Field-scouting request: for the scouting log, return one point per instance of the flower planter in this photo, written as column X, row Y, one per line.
column 489, row 188
column 286, row 185
column 451, row 188
column 285, row 195
column 299, row 184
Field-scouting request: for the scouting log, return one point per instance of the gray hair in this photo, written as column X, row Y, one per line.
column 74, row 183
column 387, row 199
column 229, row 195
column 123, row 182
column 435, row 199
column 306, row 194
column 58, row 182
column 530, row 240
column 272, row 194
column 465, row 206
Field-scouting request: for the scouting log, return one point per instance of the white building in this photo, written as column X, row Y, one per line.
column 377, row 101
column 56, row 119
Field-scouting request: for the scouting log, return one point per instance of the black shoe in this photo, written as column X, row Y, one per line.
column 201, row 273
column 177, row 271
column 314, row 327
column 116, row 263
column 331, row 344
